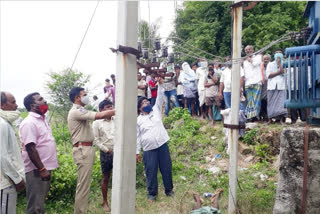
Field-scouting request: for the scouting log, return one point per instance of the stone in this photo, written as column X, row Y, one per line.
column 214, row 170
column 251, row 125
column 249, row 159
column 213, row 137
column 289, row 189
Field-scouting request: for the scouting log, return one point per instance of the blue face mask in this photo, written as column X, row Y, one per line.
column 199, row 64
column 278, row 55
column 147, row 108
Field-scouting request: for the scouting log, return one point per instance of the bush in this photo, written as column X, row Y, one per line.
column 250, row 137
column 64, row 178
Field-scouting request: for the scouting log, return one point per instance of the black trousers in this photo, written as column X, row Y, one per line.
column 154, row 159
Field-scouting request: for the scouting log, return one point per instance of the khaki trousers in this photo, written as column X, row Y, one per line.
column 84, row 157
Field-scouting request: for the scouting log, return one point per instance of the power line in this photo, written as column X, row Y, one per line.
column 84, row 36
column 285, row 37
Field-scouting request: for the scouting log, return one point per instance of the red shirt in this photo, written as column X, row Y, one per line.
column 153, row 84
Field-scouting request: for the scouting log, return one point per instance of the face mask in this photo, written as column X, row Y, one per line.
column 42, row 109
column 278, row 55
column 85, row 100
column 147, row 108
column 10, row 116
column 199, row 64
column 204, row 64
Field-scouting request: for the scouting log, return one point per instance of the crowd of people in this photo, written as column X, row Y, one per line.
column 204, row 88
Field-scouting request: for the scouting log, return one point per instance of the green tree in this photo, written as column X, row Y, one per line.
column 208, row 26
column 148, row 33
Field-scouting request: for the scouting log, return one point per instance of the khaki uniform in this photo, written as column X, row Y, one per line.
column 83, row 156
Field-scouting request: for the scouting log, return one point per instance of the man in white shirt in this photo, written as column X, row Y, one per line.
column 153, row 138
column 104, row 131
column 276, row 88
column 225, row 86
column 253, row 80
column 12, row 174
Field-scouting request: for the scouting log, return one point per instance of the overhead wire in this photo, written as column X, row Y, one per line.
column 85, row 34
column 285, row 37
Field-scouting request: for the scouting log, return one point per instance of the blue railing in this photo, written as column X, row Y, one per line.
column 303, row 78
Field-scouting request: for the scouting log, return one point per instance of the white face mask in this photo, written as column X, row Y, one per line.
column 204, row 64
column 85, row 100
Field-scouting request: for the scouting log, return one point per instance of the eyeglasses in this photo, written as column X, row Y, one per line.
column 145, row 101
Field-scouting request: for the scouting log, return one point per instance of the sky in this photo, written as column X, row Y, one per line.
column 37, row 37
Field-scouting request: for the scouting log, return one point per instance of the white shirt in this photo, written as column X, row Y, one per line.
column 278, row 81
column 151, row 133
column 12, row 167
column 226, row 78
column 252, row 71
column 104, row 131
column 180, row 86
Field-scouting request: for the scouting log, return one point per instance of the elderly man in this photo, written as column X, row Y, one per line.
column 253, row 80
column 153, row 138
column 264, row 99
column 12, row 175
column 276, row 88
column 38, row 152
column 82, row 138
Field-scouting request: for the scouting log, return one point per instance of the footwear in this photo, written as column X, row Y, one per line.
column 170, row 194
column 151, row 198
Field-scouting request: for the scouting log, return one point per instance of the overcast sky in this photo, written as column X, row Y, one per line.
column 42, row 36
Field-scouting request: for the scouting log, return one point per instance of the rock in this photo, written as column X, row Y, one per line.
column 249, row 159
column 214, row 170
column 183, row 178
column 263, row 177
column 289, row 189
column 213, row 137
column 244, row 149
column 251, row 125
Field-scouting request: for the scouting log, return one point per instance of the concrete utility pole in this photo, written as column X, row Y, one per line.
column 235, row 102
column 124, row 165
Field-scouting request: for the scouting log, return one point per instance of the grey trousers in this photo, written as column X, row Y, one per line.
column 37, row 191
column 8, row 199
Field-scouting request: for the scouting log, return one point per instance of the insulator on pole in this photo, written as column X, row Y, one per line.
column 154, row 58
column 171, row 58
column 156, row 44
column 145, row 53
column 164, row 52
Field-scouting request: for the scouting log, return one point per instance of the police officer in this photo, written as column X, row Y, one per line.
column 82, row 137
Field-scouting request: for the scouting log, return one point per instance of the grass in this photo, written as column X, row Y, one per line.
column 190, row 144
